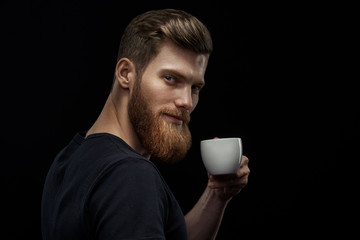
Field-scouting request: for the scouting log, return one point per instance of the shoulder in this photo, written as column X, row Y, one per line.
column 131, row 194
column 116, row 160
column 102, row 155
column 131, row 174
column 107, row 144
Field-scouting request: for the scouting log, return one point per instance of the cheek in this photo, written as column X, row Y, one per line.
column 155, row 100
column 151, row 93
column 195, row 100
column 159, row 97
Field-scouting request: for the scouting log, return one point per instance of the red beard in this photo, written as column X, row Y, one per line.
column 167, row 142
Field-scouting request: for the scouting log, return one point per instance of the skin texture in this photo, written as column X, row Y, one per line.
column 172, row 80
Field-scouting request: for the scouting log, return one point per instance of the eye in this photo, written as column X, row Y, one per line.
column 169, row 78
column 195, row 89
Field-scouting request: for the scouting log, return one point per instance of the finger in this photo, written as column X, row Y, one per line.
column 223, row 177
column 244, row 167
column 243, row 171
column 244, row 160
column 230, row 179
column 238, row 181
column 222, row 185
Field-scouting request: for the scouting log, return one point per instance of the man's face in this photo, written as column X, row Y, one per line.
column 162, row 100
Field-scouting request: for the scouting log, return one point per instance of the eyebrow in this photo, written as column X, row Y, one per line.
column 179, row 75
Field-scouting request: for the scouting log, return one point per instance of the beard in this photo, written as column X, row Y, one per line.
column 165, row 141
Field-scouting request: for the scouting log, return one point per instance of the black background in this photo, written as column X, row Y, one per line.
column 281, row 77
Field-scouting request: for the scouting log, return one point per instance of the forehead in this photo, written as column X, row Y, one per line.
column 170, row 56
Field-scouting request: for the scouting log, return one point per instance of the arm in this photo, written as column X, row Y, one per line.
column 204, row 219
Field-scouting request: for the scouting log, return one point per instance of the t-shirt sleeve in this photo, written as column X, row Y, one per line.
column 128, row 202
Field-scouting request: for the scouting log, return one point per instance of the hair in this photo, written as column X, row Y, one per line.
column 143, row 36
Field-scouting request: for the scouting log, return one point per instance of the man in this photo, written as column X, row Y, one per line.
column 102, row 185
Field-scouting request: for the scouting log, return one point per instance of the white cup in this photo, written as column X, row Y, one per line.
column 221, row 155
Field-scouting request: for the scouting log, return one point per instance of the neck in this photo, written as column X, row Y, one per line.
column 114, row 119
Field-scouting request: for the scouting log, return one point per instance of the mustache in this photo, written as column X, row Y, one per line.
column 183, row 115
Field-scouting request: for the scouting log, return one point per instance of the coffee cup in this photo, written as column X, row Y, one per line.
column 221, row 155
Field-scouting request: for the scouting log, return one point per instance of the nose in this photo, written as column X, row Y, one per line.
column 184, row 99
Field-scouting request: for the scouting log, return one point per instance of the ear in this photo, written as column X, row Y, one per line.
column 125, row 72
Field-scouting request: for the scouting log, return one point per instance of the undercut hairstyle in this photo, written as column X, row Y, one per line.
column 143, row 36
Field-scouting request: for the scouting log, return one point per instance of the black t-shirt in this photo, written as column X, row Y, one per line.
column 100, row 188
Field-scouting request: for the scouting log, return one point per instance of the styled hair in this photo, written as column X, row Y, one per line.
column 143, row 36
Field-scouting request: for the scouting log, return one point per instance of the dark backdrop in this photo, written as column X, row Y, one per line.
column 279, row 78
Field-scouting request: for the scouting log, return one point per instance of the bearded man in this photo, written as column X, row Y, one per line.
column 103, row 184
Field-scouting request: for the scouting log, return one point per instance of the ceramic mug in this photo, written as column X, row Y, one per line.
column 221, row 155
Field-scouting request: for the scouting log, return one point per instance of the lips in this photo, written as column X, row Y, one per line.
column 173, row 119
column 175, row 116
